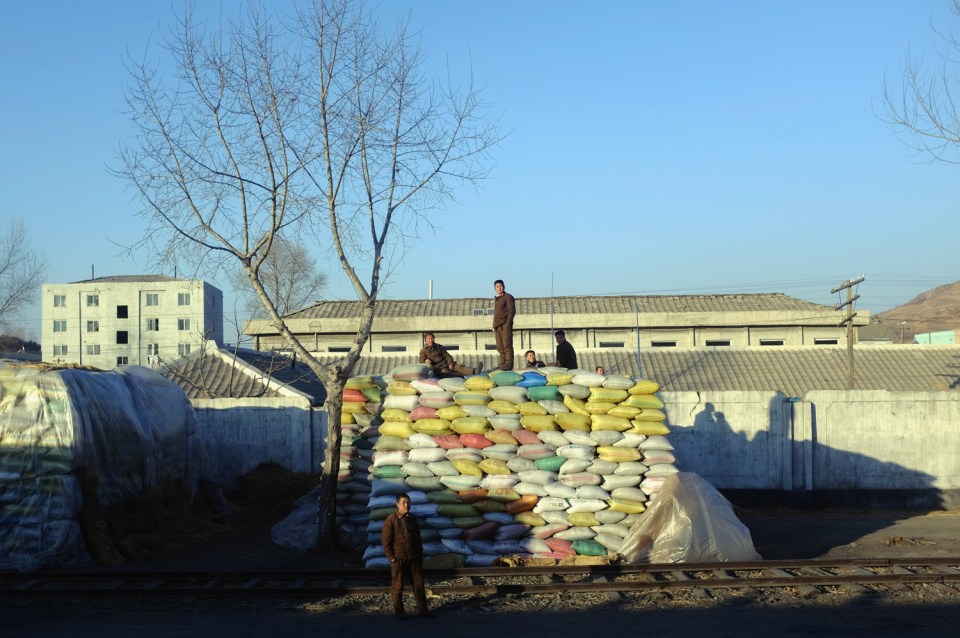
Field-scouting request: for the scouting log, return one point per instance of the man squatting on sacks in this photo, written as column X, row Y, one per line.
column 404, row 549
column 443, row 364
column 504, row 309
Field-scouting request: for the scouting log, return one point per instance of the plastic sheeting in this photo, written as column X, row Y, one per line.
column 689, row 522
column 130, row 427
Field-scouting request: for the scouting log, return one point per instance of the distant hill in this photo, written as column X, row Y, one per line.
column 930, row 311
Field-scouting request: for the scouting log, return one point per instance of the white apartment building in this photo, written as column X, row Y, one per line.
column 128, row 319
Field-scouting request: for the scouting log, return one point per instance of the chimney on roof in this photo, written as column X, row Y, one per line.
column 91, row 272
column 430, row 289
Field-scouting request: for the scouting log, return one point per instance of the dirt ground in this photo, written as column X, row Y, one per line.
column 241, row 541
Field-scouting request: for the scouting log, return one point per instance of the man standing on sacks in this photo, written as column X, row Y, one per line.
column 404, row 549
column 504, row 309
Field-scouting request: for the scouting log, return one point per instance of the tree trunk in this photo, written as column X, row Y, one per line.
column 327, row 537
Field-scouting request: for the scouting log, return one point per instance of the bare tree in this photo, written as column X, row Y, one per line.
column 289, row 276
column 21, row 271
column 924, row 106
column 320, row 126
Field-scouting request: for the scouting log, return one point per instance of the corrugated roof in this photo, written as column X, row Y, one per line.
column 130, row 279
column 762, row 302
column 206, row 375
column 791, row 370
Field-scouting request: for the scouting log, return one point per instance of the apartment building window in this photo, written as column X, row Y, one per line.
column 153, row 325
column 183, row 324
column 93, row 301
column 663, row 344
column 59, row 351
column 825, row 342
column 183, row 298
column 393, row 348
column 123, row 336
column 153, row 348
column 122, row 361
column 93, row 349
column 122, row 312
column 93, row 326
column 611, row 344
column 771, row 342
column 153, row 299
column 716, row 343
column 59, row 325
column 59, row 301
column 183, row 349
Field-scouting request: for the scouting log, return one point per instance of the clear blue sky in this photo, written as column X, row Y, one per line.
column 684, row 147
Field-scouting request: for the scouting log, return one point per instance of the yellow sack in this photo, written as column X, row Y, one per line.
column 572, row 421
column 559, row 378
column 644, row 401
column 618, row 454
column 346, row 418
column 494, row 466
column 624, row 411
column 503, row 407
column 649, row 428
column 625, row 505
column 582, row 519
column 576, row 405
column 538, row 422
column 530, row 518
column 501, row 436
column 475, row 397
column 354, row 407
column 606, row 395
column 396, row 428
column 651, row 414
column 478, row 382
column 598, row 408
column 503, row 494
column 467, row 467
column 396, row 414
column 470, row 425
column 607, row 422
column 359, row 383
column 401, row 388
column 452, row 412
column 644, row 386
column 531, row 408
column 433, row 427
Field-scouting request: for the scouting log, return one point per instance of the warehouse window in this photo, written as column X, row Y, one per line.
column 663, row 344
column 489, row 346
column 825, row 342
column 478, row 312
column 611, row 344
column 338, row 349
column 452, row 347
column 393, row 348
column 771, row 342
column 713, row 343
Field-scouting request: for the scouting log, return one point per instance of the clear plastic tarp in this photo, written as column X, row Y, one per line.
column 689, row 522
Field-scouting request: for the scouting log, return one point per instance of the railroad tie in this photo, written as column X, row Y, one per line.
column 853, row 588
column 940, row 587
column 860, row 571
column 806, row 591
column 609, row 595
column 696, row 592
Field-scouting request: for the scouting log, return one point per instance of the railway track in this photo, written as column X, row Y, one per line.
column 808, row 577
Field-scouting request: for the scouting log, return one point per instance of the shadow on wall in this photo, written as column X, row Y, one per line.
column 773, row 465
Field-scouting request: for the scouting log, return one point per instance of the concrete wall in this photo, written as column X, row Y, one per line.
column 239, row 434
column 864, row 440
column 828, row 441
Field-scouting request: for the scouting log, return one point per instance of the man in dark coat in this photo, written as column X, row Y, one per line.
column 443, row 364
column 566, row 355
column 504, row 309
column 402, row 545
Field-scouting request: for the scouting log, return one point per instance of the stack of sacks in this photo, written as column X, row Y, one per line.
column 362, row 398
column 549, row 462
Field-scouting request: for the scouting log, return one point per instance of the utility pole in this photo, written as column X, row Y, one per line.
column 848, row 321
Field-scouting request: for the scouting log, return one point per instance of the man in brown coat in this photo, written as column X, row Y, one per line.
column 443, row 364
column 402, row 545
column 504, row 309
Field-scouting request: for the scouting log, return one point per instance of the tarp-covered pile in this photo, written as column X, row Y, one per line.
column 130, row 428
column 548, row 463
